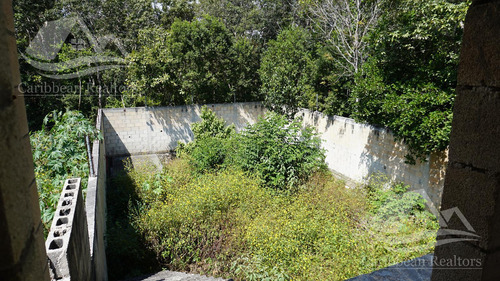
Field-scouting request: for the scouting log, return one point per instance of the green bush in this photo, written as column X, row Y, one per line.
column 211, row 142
column 59, row 152
column 399, row 220
column 287, row 71
column 280, row 152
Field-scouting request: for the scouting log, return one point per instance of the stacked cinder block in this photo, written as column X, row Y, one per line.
column 67, row 244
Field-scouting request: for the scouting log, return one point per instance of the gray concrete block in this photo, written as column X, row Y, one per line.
column 67, row 244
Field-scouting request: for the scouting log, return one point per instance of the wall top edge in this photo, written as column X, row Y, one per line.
column 346, row 120
column 154, row 108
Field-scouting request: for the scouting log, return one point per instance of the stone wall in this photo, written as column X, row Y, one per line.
column 22, row 251
column 76, row 241
column 355, row 151
column 129, row 131
column 473, row 177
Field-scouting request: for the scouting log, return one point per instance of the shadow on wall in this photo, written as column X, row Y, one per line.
column 126, row 253
column 383, row 154
column 355, row 151
column 132, row 131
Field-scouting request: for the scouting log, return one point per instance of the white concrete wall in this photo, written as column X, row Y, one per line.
column 356, row 151
column 158, row 129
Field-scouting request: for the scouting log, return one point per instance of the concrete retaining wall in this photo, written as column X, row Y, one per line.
column 355, row 151
column 142, row 130
column 95, row 207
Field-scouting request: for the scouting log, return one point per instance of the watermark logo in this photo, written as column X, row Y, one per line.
column 392, row 229
column 43, row 50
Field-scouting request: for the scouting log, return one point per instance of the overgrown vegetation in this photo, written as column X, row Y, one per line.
column 59, row 152
column 233, row 221
column 388, row 63
column 280, row 152
column 126, row 254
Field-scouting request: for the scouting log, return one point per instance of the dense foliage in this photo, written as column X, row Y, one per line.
column 409, row 84
column 280, row 152
column 212, row 142
column 287, row 70
column 389, row 63
column 192, row 62
column 59, row 153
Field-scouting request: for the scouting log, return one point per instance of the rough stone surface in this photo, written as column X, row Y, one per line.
column 480, row 54
column 451, row 265
column 476, row 121
column 468, row 185
column 68, row 243
column 22, row 254
column 175, row 276
column 473, row 177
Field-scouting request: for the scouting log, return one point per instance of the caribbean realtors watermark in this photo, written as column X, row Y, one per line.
column 42, row 52
column 57, row 89
column 454, row 262
column 394, row 228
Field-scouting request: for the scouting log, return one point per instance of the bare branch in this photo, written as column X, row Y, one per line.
column 346, row 24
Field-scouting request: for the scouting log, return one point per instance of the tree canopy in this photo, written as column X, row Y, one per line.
column 389, row 63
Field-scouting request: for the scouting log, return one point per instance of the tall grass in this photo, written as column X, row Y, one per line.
column 225, row 223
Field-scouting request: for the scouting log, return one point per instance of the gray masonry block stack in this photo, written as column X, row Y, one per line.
column 67, row 243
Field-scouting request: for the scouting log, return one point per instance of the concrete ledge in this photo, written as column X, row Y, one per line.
column 95, row 208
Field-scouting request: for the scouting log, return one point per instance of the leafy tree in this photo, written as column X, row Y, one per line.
column 245, row 78
column 242, row 18
column 409, row 84
column 278, row 15
column 420, row 41
column 199, row 61
column 287, row 70
column 194, row 62
column 149, row 72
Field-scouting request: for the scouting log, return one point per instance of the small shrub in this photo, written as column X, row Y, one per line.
column 210, row 148
column 399, row 220
column 280, row 152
